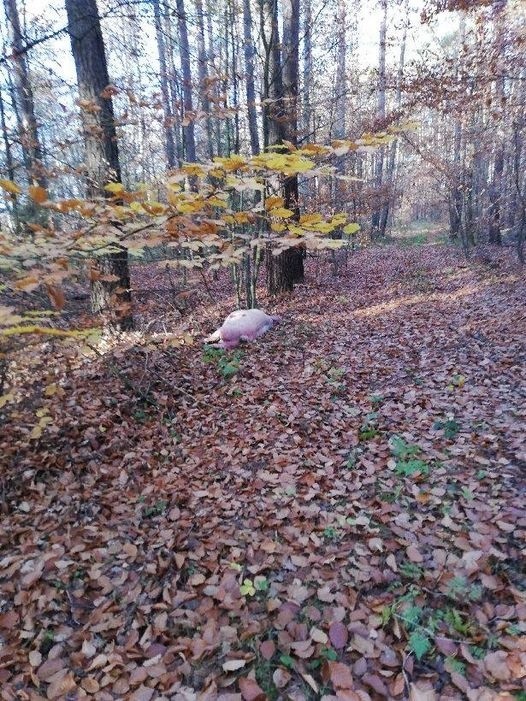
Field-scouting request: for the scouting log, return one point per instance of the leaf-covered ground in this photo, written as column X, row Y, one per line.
column 334, row 512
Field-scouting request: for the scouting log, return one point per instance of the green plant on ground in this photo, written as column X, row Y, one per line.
column 406, row 462
column 227, row 363
column 156, row 509
column 352, row 458
column 460, row 589
column 450, row 428
column 369, row 428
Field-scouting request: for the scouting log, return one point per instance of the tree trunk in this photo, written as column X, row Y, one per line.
column 184, row 50
column 391, row 160
column 204, row 86
column 307, row 70
column 110, row 298
column 250, row 80
column 496, row 185
column 9, row 164
column 280, row 81
column 29, row 136
column 171, row 157
column 376, row 231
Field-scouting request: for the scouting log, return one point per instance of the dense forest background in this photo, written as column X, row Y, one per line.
column 189, row 81
column 333, row 508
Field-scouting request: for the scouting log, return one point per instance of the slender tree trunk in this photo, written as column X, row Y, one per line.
column 391, row 159
column 174, row 84
column 496, row 189
column 102, row 155
column 380, row 116
column 250, row 79
column 204, row 83
column 29, row 134
column 307, row 120
column 9, row 163
column 171, row 159
column 184, row 49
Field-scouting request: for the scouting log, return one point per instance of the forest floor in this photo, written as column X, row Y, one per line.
column 335, row 511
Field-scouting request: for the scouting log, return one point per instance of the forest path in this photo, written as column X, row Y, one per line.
column 335, row 511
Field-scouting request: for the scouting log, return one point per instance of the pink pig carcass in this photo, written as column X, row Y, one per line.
column 242, row 325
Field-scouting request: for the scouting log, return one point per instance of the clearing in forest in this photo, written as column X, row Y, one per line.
column 335, row 511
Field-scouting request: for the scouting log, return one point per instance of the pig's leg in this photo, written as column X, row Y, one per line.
column 216, row 336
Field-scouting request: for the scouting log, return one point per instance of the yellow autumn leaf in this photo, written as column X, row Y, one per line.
column 27, row 284
column 277, row 226
column 351, row 228
column 38, row 194
column 114, row 188
column 281, row 212
column 230, row 163
column 310, row 219
column 193, row 169
column 243, row 217
column 36, row 432
column 274, row 201
column 10, row 186
column 5, row 398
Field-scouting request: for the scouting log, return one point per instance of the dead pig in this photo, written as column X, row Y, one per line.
column 242, row 325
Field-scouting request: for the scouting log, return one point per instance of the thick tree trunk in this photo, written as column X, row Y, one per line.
column 111, row 298
column 171, row 157
column 29, row 135
column 280, row 81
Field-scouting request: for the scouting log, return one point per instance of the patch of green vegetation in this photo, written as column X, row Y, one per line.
column 264, row 669
column 409, row 468
column 331, row 533
column 227, row 363
column 411, row 571
column 450, row 428
column 407, row 465
column 460, row 589
column 369, row 428
column 415, row 240
column 156, row 509
column 352, row 458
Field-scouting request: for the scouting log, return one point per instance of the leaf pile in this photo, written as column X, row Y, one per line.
column 340, row 515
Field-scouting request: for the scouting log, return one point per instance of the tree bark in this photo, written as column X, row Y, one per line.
column 111, row 298
column 184, row 50
column 250, row 79
column 171, row 156
column 496, row 185
column 391, row 159
column 376, row 231
column 29, row 134
column 280, row 80
column 202, row 60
